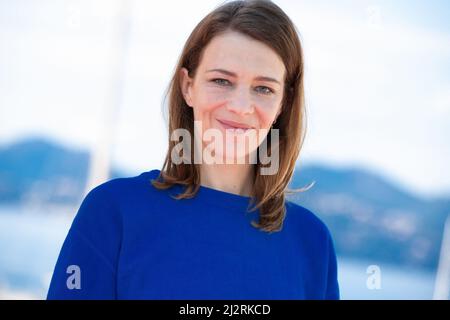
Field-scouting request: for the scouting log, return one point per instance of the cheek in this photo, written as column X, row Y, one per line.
column 266, row 114
column 205, row 106
column 207, row 100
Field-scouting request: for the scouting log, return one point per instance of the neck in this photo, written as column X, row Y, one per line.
column 231, row 178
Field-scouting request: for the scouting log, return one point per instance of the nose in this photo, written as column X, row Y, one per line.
column 241, row 102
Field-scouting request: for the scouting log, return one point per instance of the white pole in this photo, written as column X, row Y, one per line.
column 442, row 284
column 101, row 153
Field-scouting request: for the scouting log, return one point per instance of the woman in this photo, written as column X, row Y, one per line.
column 187, row 231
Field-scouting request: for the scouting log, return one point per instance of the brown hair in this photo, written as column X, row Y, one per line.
column 266, row 22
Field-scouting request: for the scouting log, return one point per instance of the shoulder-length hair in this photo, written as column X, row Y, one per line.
column 265, row 22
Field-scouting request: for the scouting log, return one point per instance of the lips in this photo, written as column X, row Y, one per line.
column 227, row 124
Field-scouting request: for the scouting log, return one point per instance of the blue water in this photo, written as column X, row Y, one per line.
column 30, row 241
column 29, row 245
column 396, row 282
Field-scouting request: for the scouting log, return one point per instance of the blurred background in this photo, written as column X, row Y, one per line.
column 81, row 96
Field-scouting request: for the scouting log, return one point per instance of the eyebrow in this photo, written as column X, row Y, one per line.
column 232, row 74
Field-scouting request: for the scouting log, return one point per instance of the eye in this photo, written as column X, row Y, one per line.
column 264, row 90
column 221, row 82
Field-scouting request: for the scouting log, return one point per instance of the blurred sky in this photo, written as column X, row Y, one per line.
column 377, row 80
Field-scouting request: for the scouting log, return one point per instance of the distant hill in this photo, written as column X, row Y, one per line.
column 368, row 216
column 40, row 170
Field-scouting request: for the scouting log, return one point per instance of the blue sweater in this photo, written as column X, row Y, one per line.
column 130, row 240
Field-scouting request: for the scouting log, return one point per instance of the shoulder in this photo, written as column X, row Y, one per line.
column 119, row 188
column 307, row 222
column 106, row 200
column 120, row 183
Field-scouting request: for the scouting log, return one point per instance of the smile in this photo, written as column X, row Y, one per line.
column 231, row 125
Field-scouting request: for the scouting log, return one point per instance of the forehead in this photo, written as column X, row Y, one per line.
column 239, row 53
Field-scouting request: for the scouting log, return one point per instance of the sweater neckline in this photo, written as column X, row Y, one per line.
column 214, row 196
column 223, row 198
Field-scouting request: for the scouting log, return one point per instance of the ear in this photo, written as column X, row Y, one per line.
column 186, row 84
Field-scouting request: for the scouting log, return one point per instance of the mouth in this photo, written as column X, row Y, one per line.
column 235, row 126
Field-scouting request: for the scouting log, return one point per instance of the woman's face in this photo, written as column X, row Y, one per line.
column 239, row 83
